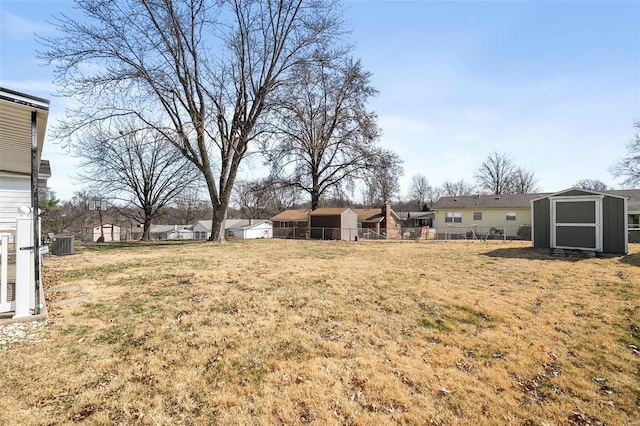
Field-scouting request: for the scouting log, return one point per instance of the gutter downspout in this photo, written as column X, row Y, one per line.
column 36, row 210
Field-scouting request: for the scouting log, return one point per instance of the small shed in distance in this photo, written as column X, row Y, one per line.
column 581, row 219
column 333, row 224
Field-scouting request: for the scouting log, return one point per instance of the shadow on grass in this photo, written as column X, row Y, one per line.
column 105, row 247
column 548, row 254
column 631, row 259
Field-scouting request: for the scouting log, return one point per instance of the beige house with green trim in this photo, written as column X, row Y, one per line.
column 484, row 216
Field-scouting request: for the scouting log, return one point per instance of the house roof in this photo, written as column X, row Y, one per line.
column 415, row 215
column 523, row 201
column 161, row 229
column 634, row 198
column 15, row 122
column 329, row 211
column 373, row 215
column 366, row 214
column 502, row 201
column 244, row 223
column 292, row 216
column 232, row 223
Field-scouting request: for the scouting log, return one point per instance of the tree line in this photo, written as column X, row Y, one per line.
column 264, row 198
column 178, row 97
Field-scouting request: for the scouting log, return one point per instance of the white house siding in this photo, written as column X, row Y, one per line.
column 180, row 234
column 15, row 192
column 491, row 218
column 263, row 230
column 202, row 231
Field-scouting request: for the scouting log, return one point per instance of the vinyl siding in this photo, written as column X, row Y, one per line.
column 614, row 226
column 15, row 192
column 491, row 218
column 542, row 223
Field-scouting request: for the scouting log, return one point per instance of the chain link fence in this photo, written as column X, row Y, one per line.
column 522, row 233
column 634, row 234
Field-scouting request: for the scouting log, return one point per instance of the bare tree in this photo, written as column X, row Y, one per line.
column 202, row 72
column 456, row 189
column 592, row 184
column 133, row 168
column 421, row 192
column 76, row 212
column 252, row 198
column 265, row 197
column 382, row 182
column 495, row 174
column 282, row 196
column 523, row 181
column 188, row 206
column 628, row 167
column 327, row 137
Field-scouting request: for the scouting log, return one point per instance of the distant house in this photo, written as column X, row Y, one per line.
column 247, row 229
column 290, row 224
column 633, row 205
column 236, row 228
column 111, row 233
column 171, row 232
column 376, row 223
column 202, row 229
column 333, row 224
column 417, row 219
column 383, row 221
column 498, row 216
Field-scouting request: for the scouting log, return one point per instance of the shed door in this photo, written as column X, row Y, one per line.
column 577, row 223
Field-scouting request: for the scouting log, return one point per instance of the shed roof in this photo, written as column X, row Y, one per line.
column 502, row 201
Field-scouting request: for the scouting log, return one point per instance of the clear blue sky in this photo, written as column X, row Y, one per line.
column 554, row 84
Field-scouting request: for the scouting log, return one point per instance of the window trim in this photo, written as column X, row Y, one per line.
column 511, row 216
column 476, row 214
column 453, row 217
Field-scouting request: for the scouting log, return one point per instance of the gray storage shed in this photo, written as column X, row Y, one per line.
column 581, row 219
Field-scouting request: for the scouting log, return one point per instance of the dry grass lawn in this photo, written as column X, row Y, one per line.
column 303, row 332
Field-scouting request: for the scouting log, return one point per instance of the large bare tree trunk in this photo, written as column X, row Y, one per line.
column 217, row 225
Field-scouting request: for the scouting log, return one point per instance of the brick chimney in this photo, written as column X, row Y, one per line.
column 386, row 211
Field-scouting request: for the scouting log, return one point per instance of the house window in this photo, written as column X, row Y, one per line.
column 511, row 216
column 477, row 215
column 284, row 224
column 453, row 217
